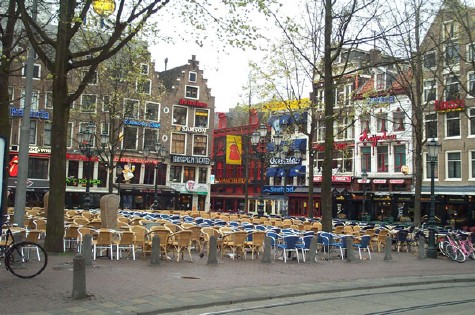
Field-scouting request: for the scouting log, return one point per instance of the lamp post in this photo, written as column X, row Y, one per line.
column 433, row 151
column 86, row 146
column 282, row 150
column 258, row 137
column 364, row 178
column 161, row 153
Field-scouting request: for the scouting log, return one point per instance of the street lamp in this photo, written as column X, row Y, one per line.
column 86, row 146
column 285, row 162
column 364, row 178
column 433, row 152
column 257, row 138
column 161, row 153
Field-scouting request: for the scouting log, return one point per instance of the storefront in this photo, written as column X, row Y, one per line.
column 136, row 196
column 192, row 196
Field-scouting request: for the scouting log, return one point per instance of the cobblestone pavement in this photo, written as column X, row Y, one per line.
column 136, row 287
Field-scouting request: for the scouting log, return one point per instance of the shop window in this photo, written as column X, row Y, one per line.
column 103, row 171
column 189, row 173
column 382, row 152
column 73, row 171
column 180, row 115
column 149, row 174
column 175, row 173
column 202, row 175
column 178, row 143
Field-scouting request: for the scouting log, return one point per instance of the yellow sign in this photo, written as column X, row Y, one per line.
column 233, row 150
column 287, row 105
column 103, row 7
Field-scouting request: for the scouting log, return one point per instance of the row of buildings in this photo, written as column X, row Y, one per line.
column 209, row 163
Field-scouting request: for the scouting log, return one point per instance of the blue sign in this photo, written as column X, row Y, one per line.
column 279, row 190
column 131, row 122
column 18, row 112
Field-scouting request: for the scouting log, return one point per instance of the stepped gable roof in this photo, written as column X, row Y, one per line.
column 169, row 77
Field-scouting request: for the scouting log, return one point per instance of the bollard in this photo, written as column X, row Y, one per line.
column 155, row 252
column 388, row 248
column 349, row 249
column 421, row 251
column 87, row 249
column 267, row 249
column 213, row 251
column 312, row 252
column 79, row 277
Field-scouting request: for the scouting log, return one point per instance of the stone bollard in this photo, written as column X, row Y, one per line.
column 155, row 252
column 213, row 251
column 267, row 249
column 86, row 250
column 79, row 277
column 312, row 252
column 349, row 249
column 388, row 248
column 421, row 251
column 109, row 209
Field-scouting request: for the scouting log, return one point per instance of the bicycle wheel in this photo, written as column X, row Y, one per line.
column 26, row 259
column 454, row 253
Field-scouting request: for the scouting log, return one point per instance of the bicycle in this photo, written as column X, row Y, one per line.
column 18, row 256
column 450, row 247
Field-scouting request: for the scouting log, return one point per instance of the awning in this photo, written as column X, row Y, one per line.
column 299, row 144
column 285, row 119
column 450, row 190
column 272, row 171
column 32, row 184
column 281, row 172
column 299, row 170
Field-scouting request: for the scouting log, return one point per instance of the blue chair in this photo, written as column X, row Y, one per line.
column 325, row 239
column 304, row 246
column 401, row 240
column 341, row 245
column 275, row 240
column 289, row 245
column 364, row 245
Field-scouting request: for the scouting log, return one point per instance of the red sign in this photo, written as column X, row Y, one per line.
column 379, row 181
column 77, row 157
column 396, row 181
column 335, row 179
column 375, row 138
column 447, row 106
column 336, row 146
column 183, row 101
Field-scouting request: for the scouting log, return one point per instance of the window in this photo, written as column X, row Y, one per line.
column 38, row 168
column 452, row 91
column 471, row 84
column 130, row 138
column 49, row 99
column 452, row 122
column 200, row 143
column 10, row 93
column 382, row 121
column 152, row 111
column 471, row 52
column 343, row 128
column 36, row 71
column 93, row 80
column 105, row 128
column 342, row 159
column 178, row 143
column 472, row 164
column 175, row 173
column 88, row 102
column 454, row 165
column 87, row 125
column 398, row 121
column 144, row 86
column 321, row 131
column 201, row 118
column 189, row 173
column 399, row 157
column 202, row 175
column 32, row 132
column 149, row 174
column 430, row 122
column 452, row 53
column 73, row 173
column 430, row 60
column 131, row 108
column 428, row 167
column 180, row 115
column 366, row 159
column 47, row 134
column 430, row 90
column 380, row 81
column 106, row 103
column 382, row 152
column 144, row 68
column 365, row 123
column 150, row 136
column 192, row 76
column 191, row 92
column 319, row 162
column 471, row 117
column 69, row 140
column 35, row 100
column 450, row 30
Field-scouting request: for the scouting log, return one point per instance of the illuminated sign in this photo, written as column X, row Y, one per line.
column 285, row 161
column 335, row 179
column 279, row 189
column 382, row 100
column 194, row 129
column 182, row 101
column 18, row 112
column 238, row 180
column 373, row 139
column 130, row 122
column 448, row 106
column 190, row 159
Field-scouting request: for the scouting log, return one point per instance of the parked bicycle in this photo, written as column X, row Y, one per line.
column 24, row 259
column 457, row 246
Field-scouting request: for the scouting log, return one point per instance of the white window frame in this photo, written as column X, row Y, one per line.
column 206, row 147
column 69, row 135
column 429, row 88
column 471, row 73
column 35, row 66
column 432, row 52
column 435, row 120
column 447, row 178
column 135, row 110
column 47, row 103
column 34, row 134
column 105, row 127
column 427, row 168
column 146, row 67
column 124, row 138
column 82, row 105
column 471, row 165
column 201, row 110
column 35, row 100
column 171, row 143
column 470, row 49
column 190, row 75
column 454, row 34
column 456, row 82
column 148, row 91
column 380, row 87
column 471, row 116
column 105, row 109
column 197, row 92
column 157, row 135
column 446, row 125
column 80, row 128
column 173, row 115
column 146, row 110
column 45, row 133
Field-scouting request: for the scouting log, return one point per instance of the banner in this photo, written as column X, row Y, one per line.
column 233, row 150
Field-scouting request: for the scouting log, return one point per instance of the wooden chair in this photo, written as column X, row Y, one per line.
column 180, row 242
column 163, row 234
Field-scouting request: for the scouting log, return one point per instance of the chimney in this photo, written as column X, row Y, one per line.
column 166, row 62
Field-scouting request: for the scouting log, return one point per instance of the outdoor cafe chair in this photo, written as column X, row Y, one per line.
column 304, row 246
column 234, row 242
column 103, row 241
column 126, row 242
column 364, row 244
column 256, row 243
column 289, row 245
column 181, row 242
column 70, row 236
column 82, row 231
column 341, row 245
column 163, row 234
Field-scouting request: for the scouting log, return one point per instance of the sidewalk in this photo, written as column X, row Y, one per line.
column 136, row 287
